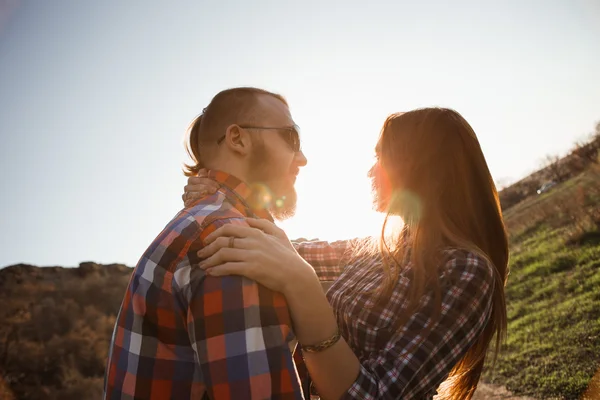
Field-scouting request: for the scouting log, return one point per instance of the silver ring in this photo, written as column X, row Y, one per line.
column 231, row 239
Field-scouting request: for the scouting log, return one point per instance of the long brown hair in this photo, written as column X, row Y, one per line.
column 442, row 188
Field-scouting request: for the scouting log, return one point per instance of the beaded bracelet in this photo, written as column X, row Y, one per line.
column 325, row 344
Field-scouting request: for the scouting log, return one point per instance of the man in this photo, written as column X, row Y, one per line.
column 181, row 334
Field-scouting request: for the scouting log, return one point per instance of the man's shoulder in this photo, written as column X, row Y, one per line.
column 186, row 230
column 212, row 209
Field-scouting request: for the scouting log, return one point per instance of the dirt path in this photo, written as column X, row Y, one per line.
column 486, row 391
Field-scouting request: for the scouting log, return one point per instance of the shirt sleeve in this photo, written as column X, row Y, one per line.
column 327, row 258
column 403, row 370
column 240, row 332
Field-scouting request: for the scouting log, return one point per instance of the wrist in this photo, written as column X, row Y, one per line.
column 314, row 321
column 323, row 344
column 302, row 282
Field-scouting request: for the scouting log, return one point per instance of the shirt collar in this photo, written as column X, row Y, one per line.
column 233, row 186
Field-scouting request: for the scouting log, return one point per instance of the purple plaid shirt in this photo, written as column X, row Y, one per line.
column 390, row 367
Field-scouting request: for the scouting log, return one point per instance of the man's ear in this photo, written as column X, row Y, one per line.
column 237, row 140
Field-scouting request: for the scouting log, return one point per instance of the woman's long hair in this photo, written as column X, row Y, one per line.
column 437, row 180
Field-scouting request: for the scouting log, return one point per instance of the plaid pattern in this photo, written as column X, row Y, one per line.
column 327, row 259
column 181, row 334
column 392, row 367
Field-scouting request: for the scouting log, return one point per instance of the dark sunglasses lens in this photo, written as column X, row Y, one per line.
column 292, row 138
column 295, row 139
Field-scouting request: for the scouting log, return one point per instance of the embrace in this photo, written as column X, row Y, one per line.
column 218, row 301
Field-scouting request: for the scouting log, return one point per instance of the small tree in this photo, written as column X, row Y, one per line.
column 554, row 167
column 595, row 138
column 585, row 151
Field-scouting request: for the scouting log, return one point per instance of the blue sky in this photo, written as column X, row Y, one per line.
column 95, row 98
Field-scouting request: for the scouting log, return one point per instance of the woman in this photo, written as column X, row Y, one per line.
column 416, row 314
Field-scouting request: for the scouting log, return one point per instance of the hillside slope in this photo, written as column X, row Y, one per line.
column 553, row 292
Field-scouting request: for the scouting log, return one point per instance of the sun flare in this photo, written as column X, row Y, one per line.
column 329, row 212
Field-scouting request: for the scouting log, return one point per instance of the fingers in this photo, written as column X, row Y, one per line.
column 190, row 197
column 197, row 188
column 194, row 194
column 206, row 185
column 223, row 256
column 222, row 242
column 203, row 173
column 265, row 225
column 237, row 231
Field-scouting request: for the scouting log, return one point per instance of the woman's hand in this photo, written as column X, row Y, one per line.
column 261, row 252
column 198, row 187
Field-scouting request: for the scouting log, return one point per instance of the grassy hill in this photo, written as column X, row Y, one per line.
column 553, row 292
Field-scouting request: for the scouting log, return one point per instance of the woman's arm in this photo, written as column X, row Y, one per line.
column 336, row 368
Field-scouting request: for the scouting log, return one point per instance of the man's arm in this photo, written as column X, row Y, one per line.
column 240, row 332
column 148, row 356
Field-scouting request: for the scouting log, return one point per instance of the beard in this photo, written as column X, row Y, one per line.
column 270, row 188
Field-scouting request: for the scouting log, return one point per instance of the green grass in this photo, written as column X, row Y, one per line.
column 553, row 296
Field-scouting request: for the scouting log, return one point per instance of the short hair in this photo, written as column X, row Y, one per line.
column 230, row 106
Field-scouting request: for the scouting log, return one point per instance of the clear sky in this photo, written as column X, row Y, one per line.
column 95, row 97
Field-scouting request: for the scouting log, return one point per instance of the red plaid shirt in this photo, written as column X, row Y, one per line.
column 181, row 334
column 390, row 367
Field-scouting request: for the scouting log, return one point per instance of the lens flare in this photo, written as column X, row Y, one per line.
column 407, row 205
column 262, row 197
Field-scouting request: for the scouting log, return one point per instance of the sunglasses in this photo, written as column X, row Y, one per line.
column 290, row 134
